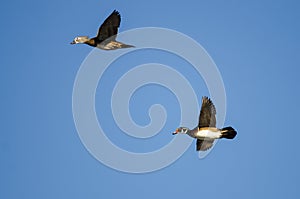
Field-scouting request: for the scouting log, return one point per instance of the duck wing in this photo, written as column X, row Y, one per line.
column 207, row 117
column 109, row 27
column 203, row 145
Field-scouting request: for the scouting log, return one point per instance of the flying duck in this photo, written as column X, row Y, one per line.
column 107, row 33
column 206, row 131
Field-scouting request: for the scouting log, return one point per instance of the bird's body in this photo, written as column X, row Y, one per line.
column 112, row 45
column 206, row 131
column 106, row 37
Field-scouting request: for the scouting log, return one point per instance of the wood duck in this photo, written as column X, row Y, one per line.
column 206, row 131
column 107, row 33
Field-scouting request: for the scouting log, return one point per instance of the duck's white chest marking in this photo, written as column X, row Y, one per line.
column 208, row 134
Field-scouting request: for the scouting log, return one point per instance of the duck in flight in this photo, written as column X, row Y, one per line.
column 107, row 33
column 206, row 131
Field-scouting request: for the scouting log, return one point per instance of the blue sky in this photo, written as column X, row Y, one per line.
column 255, row 46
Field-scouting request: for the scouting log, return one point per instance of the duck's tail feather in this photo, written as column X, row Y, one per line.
column 228, row 132
column 126, row 46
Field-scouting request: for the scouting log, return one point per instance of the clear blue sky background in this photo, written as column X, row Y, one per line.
column 255, row 44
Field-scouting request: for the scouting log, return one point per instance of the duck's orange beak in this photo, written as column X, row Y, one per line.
column 175, row 132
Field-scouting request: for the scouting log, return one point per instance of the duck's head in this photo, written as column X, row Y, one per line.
column 80, row 40
column 182, row 130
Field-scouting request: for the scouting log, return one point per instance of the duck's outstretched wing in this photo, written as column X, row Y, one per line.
column 207, row 116
column 203, row 145
column 109, row 28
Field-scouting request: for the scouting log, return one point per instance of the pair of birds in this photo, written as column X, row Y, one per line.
column 206, row 132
